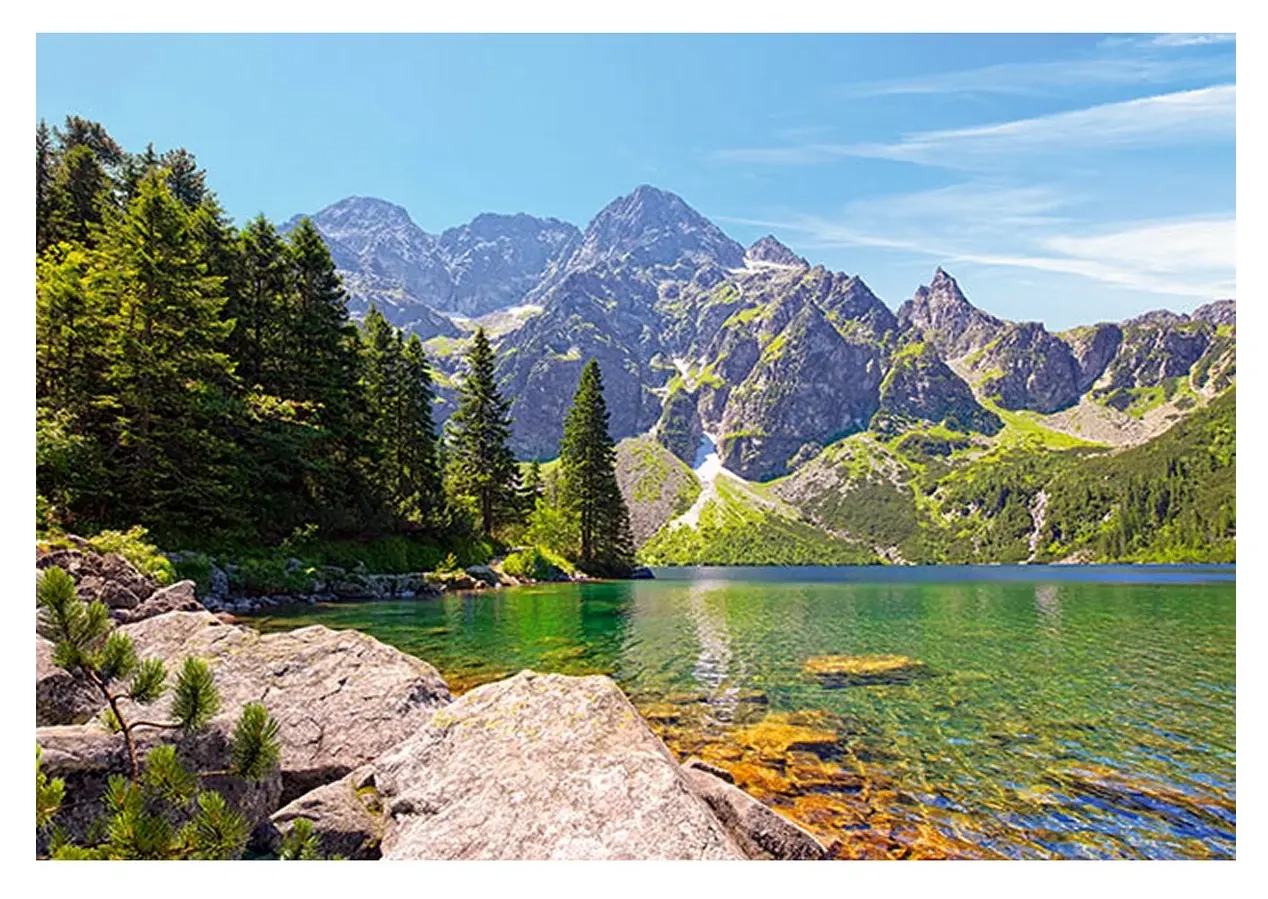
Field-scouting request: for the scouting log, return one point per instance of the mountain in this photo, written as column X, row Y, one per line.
column 494, row 261
column 859, row 419
column 422, row 281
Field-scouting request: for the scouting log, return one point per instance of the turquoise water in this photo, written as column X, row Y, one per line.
column 1050, row 712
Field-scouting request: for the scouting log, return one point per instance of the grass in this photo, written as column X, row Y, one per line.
column 1024, row 426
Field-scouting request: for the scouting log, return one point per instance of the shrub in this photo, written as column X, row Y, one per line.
column 196, row 568
column 160, row 809
column 536, row 563
column 132, row 545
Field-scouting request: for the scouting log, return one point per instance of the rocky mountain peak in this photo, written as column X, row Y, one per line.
column 362, row 213
column 770, row 250
column 944, row 314
column 1156, row 318
column 655, row 227
column 1220, row 312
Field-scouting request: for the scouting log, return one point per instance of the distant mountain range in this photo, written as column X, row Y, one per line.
column 774, row 357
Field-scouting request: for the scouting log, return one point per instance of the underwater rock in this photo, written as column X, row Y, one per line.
column 862, row 670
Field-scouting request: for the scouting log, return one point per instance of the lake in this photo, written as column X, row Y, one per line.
column 1035, row 712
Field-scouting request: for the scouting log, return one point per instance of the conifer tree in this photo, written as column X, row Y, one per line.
column 168, row 375
column 45, row 163
column 323, row 367
column 77, row 197
column 587, row 463
column 259, row 307
column 143, row 807
column 424, row 496
column 482, row 465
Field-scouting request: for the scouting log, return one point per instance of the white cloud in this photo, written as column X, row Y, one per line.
column 1030, row 227
column 1203, row 115
column 1189, row 39
column 1055, row 76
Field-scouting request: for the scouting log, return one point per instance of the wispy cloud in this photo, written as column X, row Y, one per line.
column 1203, row 115
column 1032, row 228
column 1170, row 40
column 1056, row 76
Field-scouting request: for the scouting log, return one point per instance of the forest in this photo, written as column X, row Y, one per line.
column 205, row 382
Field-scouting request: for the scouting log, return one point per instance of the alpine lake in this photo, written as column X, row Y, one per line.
column 967, row 712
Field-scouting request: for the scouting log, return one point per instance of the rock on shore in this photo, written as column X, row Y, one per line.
column 543, row 766
column 381, row 759
column 341, row 697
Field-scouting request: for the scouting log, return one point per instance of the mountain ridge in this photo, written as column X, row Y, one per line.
column 777, row 358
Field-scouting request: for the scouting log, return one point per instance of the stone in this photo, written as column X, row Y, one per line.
column 115, row 567
column 179, row 597
column 347, row 815
column 85, row 755
column 341, row 698
column 760, row 831
column 219, row 582
column 61, row 697
column 543, row 766
column 74, row 562
column 863, row 669
column 484, row 574
column 112, row 593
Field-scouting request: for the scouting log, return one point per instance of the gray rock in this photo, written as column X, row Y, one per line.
column 61, row 697
column 341, row 697
column 77, row 563
column 179, row 597
column 761, row 832
column 484, row 574
column 219, row 582
column 86, row 755
column 112, row 593
column 115, row 567
column 542, row 766
column 347, row 815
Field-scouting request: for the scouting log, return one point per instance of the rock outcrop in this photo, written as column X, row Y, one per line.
column 761, row 832
column 61, row 697
column 179, row 597
column 85, row 756
column 543, row 767
column 347, row 816
column 341, row 697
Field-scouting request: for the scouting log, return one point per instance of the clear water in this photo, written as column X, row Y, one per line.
column 1059, row 712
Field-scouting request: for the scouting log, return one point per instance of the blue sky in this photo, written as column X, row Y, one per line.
column 1064, row 178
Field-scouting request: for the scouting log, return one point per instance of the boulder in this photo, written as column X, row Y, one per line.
column 179, row 597
column 542, row 766
column 219, row 582
column 85, row 756
column 484, row 574
column 347, row 816
column 761, row 832
column 342, row 698
column 61, row 697
column 76, row 563
column 112, row 593
column 116, row 568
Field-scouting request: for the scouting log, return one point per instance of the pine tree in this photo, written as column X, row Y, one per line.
column 259, row 307
column 45, row 164
column 482, row 465
column 424, row 497
column 161, row 792
column 168, row 378
column 186, row 180
column 323, row 367
column 77, row 197
column 587, row 462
